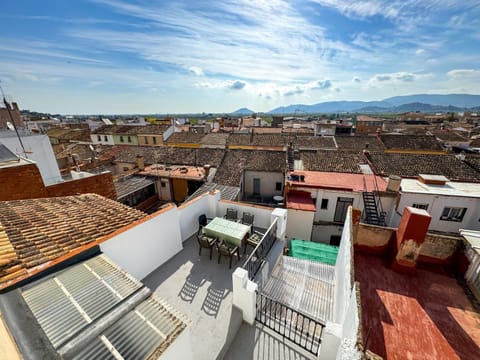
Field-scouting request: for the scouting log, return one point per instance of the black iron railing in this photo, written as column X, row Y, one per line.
column 292, row 324
column 259, row 254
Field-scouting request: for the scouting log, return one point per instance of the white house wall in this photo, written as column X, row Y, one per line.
column 332, row 196
column 40, row 150
column 299, row 225
column 190, row 211
column 146, row 246
column 109, row 141
column 262, row 214
column 436, row 204
column 267, row 182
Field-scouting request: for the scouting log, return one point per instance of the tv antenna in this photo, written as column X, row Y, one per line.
column 7, row 105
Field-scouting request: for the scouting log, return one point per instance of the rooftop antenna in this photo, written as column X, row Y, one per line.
column 7, row 105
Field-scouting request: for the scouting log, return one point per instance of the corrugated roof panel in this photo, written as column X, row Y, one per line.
column 77, row 296
column 140, row 332
column 304, row 285
column 96, row 350
column 55, row 313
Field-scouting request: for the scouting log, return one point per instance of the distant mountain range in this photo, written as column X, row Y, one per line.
column 243, row 111
column 397, row 104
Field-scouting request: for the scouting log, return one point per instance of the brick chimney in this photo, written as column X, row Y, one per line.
column 140, row 162
column 410, row 237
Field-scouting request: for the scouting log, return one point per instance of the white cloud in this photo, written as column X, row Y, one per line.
column 419, row 51
column 457, row 73
column 356, row 79
column 237, row 85
column 196, row 70
column 394, row 77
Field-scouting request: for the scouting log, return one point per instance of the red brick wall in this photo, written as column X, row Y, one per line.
column 101, row 184
column 21, row 182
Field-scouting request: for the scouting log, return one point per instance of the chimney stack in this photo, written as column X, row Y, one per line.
column 410, row 237
column 206, row 167
column 140, row 162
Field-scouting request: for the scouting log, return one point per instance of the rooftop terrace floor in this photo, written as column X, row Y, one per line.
column 420, row 316
column 201, row 289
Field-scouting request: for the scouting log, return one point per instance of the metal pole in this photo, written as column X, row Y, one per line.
column 7, row 105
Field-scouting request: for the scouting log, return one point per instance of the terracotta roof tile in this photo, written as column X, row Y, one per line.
column 116, row 129
column 411, row 142
column 153, row 129
column 171, row 155
column 314, row 142
column 333, row 161
column 473, row 160
column 411, row 165
column 215, row 139
column 236, row 161
column 35, row 231
column 358, row 143
column 185, row 137
column 256, row 139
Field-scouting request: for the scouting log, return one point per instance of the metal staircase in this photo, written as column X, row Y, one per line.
column 373, row 211
column 290, row 159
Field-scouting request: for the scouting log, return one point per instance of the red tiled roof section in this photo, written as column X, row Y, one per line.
column 328, row 180
column 36, row 231
column 300, row 200
column 425, row 315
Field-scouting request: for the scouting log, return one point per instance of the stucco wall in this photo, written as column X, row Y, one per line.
column 299, row 225
column 439, row 248
column 148, row 245
column 343, row 272
column 373, row 238
column 332, row 196
column 191, row 210
column 436, row 204
column 102, row 140
column 262, row 214
column 39, row 150
column 322, row 233
column 267, row 182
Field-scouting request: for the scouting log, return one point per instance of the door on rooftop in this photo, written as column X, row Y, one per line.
column 341, row 210
column 256, row 186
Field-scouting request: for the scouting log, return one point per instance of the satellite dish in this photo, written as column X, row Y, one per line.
column 10, row 126
column 177, row 122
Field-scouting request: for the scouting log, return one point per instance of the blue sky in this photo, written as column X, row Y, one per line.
column 139, row 56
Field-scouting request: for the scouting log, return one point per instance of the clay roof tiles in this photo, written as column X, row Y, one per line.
column 411, row 165
column 236, row 161
column 36, row 231
column 333, row 161
column 411, row 142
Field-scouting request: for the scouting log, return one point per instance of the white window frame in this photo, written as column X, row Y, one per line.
column 453, row 214
column 420, row 206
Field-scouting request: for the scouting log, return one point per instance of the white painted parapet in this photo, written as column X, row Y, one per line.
column 244, row 294
column 281, row 216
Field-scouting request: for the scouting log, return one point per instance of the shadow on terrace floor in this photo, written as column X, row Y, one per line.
column 201, row 289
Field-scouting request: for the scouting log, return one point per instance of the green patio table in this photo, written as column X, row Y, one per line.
column 231, row 232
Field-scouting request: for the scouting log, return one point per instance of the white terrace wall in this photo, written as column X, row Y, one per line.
column 299, row 225
column 191, row 210
column 343, row 271
column 146, row 246
column 262, row 214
